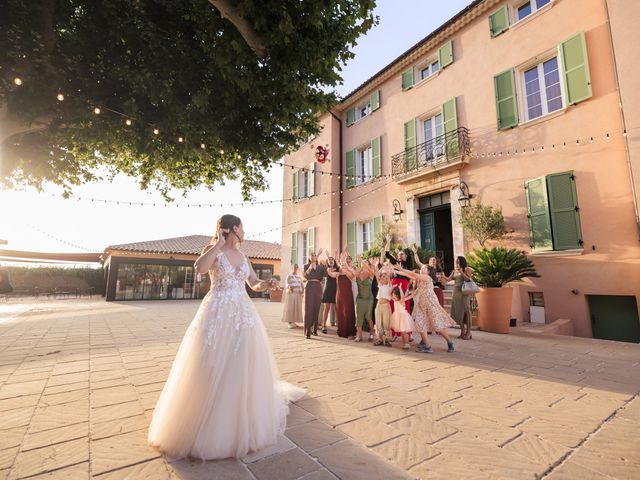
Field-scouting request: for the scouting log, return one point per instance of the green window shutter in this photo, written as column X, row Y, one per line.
column 410, row 157
column 351, row 239
column 294, row 248
column 377, row 227
column 499, row 21
column 407, row 79
column 375, row 157
column 295, row 187
column 506, row 104
column 311, row 179
column 575, row 65
column 538, row 214
column 565, row 215
column 351, row 168
column 351, row 116
column 450, row 124
column 445, row 54
column 375, row 100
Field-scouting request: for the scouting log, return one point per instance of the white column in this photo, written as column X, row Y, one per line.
column 413, row 221
column 458, row 235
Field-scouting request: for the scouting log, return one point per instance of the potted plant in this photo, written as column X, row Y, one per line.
column 276, row 294
column 493, row 269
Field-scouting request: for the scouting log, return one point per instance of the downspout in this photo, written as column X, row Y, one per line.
column 624, row 125
column 340, row 205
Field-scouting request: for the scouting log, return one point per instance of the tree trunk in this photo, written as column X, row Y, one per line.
column 231, row 13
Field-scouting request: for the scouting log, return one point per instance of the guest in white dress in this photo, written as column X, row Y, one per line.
column 223, row 397
column 292, row 312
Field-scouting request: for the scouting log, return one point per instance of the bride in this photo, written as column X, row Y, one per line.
column 223, row 397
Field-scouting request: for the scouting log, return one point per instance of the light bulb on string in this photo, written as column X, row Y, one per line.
column 180, row 139
column 17, row 81
column 564, row 144
column 203, row 146
column 128, row 122
column 591, row 140
column 553, row 146
column 607, row 137
column 156, row 131
column 624, row 133
column 97, row 110
column 578, row 142
column 221, row 152
column 60, row 97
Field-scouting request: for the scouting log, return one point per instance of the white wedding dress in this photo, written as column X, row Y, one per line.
column 223, row 397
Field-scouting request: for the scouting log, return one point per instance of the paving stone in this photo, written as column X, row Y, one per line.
column 320, row 475
column 331, row 412
column 536, row 449
column 369, row 431
column 68, row 378
column 282, row 445
column 113, row 412
column 50, row 458
column 313, row 435
column 112, row 396
column 424, row 428
column 120, row 451
column 191, row 469
column 18, row 417
column 350, row 461
column 298, row 416
column 435, row 410
column 19, row 389
column 406, row 451
column 7, row 456
column 152, row 470
column 12, row 437
column 289, row 465
column 571, row 470
column 75, row 472
column 55, row 416
column 56, row 435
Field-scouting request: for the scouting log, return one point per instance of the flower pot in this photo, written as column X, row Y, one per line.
column 494, row 309
column 275, row 295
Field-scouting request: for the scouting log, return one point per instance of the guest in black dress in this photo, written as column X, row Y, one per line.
column 313, row 273
column 329, row 295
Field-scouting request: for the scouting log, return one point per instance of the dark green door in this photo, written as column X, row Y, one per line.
column 428, row 231
column 614, row 317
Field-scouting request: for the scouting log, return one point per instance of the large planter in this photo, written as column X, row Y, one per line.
column 275, row 295
column 494, row 309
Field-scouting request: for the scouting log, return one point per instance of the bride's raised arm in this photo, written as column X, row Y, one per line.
column 258, row 285
column 207, row 258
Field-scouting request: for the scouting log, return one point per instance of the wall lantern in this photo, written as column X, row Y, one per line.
column 465, row 197
column 397, row 211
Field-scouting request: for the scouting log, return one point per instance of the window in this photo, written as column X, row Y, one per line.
column 542, row 89
column 304, row 182
column 428, row 69
column 364, row 165
column 304, row 238
column 366, row 236
column 433, row 131
column 363, row 110
column 527, row 8
column 553, row 213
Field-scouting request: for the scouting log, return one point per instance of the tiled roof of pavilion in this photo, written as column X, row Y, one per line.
column 193, row 245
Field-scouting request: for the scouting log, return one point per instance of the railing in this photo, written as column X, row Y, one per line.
column 443, row 149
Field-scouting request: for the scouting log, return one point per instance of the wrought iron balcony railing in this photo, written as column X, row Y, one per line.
column 443, row 149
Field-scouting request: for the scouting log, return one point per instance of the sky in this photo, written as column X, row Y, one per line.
column 45, row 222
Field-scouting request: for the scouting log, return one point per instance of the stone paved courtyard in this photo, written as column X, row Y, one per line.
column 79, row 380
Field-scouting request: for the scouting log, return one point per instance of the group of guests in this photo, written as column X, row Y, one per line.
column 395, row 295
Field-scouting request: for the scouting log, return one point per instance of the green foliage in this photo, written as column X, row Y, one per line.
column 482, row 223
column 173, row 64
column 47, row 278
column 499, row 266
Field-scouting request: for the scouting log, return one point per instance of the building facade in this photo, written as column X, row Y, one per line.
column 514, row 104
column 163, row 269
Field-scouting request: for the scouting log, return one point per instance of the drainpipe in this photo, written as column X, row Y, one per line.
column 340, row 204
column 624, row 125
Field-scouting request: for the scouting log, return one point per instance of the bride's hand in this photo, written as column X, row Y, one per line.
column 220, row 234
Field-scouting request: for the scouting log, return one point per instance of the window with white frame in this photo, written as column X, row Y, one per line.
column 427, row 69
column 365, row 236
column 524, row 9
column 542, row 89
column 433, row 134
column 304, row 182
column 363, row 110
column 364, row 164
column 304, row 239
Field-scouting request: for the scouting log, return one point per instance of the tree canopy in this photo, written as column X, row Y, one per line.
column 248, row 88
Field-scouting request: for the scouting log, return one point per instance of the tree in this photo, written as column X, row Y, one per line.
column 482, row 223
column 247, row 86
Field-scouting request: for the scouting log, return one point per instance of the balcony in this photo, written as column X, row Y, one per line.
column 451, row 149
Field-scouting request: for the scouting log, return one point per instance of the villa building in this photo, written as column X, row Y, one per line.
column 529, row 105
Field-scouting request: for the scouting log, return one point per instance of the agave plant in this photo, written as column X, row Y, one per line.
column 498, row 266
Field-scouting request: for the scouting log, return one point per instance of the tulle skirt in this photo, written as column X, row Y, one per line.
column 223, row 397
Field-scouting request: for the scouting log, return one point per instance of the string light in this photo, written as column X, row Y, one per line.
column 128, row 122
column 221, row 152
column 180, row 139
column 203, row 146
column 97, row 110
column 17, row 81
column 60, row 97
column 156, row 131
column 624, row 133
column 607, row 137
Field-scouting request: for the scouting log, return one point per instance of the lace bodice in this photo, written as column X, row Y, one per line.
column 227, row 279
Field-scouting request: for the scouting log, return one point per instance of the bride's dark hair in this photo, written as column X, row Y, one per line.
column 227, row 222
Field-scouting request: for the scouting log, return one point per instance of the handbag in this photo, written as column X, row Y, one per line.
column 470, row 287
